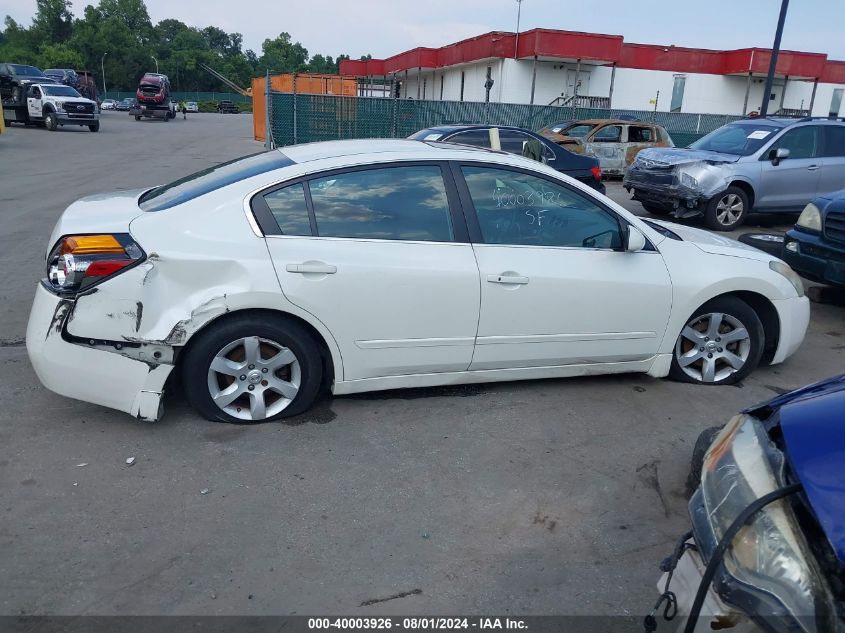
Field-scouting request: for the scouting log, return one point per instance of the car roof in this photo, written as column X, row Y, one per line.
column 309, row 152
column 459, row 127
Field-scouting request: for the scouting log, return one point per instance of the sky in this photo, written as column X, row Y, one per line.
column 386, row 27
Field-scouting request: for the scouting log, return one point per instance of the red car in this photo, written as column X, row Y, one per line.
column 153, row 89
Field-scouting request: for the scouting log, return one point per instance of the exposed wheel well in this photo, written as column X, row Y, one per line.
column 325, row 354
column 768, row 317
column 748, row 189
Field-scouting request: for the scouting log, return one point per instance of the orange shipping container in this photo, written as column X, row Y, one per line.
column 306, row 83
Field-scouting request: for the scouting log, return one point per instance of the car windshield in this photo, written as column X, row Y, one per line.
column 212, row 179
column 26, row 71
column 578, row 130
column 60, row 91
column 739, row 140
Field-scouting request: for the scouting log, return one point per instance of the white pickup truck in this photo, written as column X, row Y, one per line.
column 55, row 105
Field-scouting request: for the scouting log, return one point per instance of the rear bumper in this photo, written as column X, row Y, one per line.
column 815, row 258
column 93, row 375
column 794, row 317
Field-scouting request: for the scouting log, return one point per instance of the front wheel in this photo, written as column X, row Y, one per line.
column 251, row 369
column 721, row 343
column 727, row 211
column 51, row 122
column 94, row 127
column 137, row 117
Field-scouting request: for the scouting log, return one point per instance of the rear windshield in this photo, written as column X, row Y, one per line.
column 212, row 179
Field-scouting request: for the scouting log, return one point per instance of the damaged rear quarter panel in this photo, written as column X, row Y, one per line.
column 203, row 261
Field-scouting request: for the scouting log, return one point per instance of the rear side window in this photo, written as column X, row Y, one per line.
column 834, row 140
column 395, row 203
column 211, row 179
column 290, row 210
column 476, row 138
column 640, row 134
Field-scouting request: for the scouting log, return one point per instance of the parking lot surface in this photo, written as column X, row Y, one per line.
column 549, row 497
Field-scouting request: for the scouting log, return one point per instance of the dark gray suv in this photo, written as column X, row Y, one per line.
column 770, row 165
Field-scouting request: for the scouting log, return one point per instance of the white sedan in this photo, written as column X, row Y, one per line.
column 381, row 264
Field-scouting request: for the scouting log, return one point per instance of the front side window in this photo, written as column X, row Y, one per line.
column 520, row 209
column 290, row 210
column 802, row 142
column 392, row 203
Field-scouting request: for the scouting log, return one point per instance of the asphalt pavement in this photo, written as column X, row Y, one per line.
column 548, row 497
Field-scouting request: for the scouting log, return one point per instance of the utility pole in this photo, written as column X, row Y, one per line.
column 767, row 91
column 103, row 71
column 156, row 61
column 518, row 15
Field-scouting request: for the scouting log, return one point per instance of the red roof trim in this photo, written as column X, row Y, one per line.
column 596, row 47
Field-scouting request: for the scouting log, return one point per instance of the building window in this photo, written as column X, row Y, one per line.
column 441, row 86
column 425, row 85
column 678, row 93
column 835, row 102
column 463, row 80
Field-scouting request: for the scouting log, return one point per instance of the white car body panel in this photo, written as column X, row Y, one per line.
column 395, row 313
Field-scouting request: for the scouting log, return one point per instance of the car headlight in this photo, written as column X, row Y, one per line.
column 793, row 278
column 688, row 181
column 810, row 218
column 60, row 106
column 770, row 554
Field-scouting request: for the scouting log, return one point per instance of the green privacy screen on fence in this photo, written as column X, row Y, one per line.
column 306, row 118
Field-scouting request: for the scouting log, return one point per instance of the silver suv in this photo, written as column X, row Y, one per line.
column 770, row 165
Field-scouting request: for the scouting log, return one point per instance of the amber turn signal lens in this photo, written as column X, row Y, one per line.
column 91, row 244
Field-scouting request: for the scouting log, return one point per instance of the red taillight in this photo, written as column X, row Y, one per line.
column 80, row 261
column 106, row 267
column 596, row 171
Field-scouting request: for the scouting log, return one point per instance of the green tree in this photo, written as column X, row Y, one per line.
column 53, row 22
column 283, row 56
column 59, row 56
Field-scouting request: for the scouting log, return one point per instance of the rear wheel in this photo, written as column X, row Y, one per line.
column 250, row 369
column 727, row 210
column 720, row 345
column 51, row 122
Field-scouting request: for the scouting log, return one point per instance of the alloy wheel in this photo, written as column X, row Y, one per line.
column 713, row 346
column 729, row 209
column 254, row 378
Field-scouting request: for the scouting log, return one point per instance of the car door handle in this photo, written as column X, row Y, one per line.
column 325, row 269
column 812, row 168
column 507, row 279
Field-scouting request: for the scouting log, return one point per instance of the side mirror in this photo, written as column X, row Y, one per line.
column 635, row 240
column 777, row 155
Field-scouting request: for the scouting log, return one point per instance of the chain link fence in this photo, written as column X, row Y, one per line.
column 304, row 118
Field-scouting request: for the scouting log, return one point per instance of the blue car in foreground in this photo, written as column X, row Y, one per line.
column 767, row 545
column 815, row 248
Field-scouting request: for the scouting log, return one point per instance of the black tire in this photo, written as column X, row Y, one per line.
column 137, row 117
column 51, row 122
column 702, row 444
column 16, row 95
column 656, row 209
column 94, row 127
column 717, row 354
column 727, row 210
column 279, row 330
column 766, row 242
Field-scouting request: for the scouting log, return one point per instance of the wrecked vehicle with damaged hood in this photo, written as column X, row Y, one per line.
column 767, row 547
column 365, row 265
column 771, row 165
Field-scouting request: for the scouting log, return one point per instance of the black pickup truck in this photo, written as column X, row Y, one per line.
column 15, row 80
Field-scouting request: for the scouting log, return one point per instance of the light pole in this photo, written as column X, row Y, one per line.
column 103, row 70
column 767, row 91
column 156, row 61
column 518, row 14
